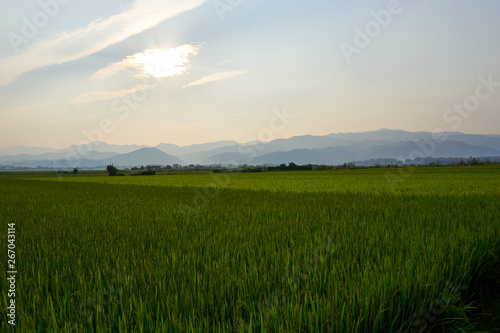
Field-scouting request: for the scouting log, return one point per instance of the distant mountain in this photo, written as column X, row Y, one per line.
column 169, row 148
column 333, row 148
column 192, row 149
column 234, row 152
column 225, row 158
column 339, row 155
column 85, row 150
column 62, row 164
column 490, row 141
column 328, row 156
column 53, row 156
column 15, row 150
column 143, row 156
column 409, row 149
column 200, row 157
column 357, row 143
column 384, row 135
column 103, row 147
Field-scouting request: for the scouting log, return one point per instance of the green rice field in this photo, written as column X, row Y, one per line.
column 375, row 250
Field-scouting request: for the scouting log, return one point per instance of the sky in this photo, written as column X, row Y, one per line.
column 195, row 71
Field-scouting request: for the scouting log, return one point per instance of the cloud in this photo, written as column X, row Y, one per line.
column 96, row 36
column 215, row 77
column 152, row 62
column 94, row 96
column 224, row 62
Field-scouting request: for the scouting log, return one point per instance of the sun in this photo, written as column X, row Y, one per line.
column 163, row 63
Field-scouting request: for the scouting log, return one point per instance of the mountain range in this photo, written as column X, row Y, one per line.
column 332, row 149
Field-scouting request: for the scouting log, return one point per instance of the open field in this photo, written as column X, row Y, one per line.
column 319, row 251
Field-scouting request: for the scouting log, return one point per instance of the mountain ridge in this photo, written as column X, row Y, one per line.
column 314, row 149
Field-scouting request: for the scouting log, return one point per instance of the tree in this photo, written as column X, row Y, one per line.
column 75, row 171
column 473, row 161
column 112, row 170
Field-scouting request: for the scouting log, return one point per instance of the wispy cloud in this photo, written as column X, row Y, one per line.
column 152, row 62
column 215, row 77
column 97, row 35
column 224, row 62
column 94, row 96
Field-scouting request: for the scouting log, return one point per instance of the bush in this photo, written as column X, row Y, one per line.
column 112, row 170
column 148, row 173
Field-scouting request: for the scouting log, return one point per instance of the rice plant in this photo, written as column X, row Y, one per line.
column 329, row 251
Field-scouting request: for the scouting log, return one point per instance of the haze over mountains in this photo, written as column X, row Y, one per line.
column 329, row 149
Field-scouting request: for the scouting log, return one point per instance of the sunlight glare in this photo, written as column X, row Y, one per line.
column 163, row 63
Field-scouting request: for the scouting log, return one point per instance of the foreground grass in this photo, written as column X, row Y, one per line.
column 282, row 252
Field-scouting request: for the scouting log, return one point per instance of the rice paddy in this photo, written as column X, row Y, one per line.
column 309, row 251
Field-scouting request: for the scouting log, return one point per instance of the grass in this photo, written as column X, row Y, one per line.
column 332, row 251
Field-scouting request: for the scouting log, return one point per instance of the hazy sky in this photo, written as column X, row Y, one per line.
column 193, row 71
